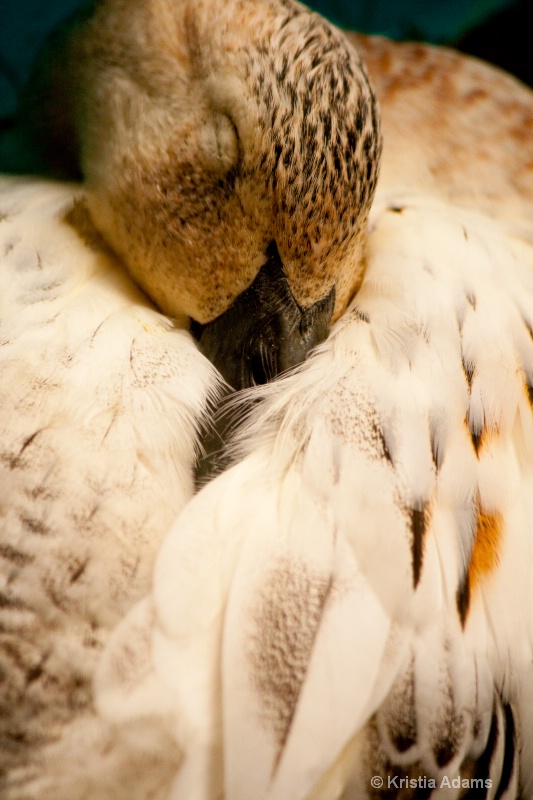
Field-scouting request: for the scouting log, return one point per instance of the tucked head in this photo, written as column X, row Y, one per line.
column 222, row 139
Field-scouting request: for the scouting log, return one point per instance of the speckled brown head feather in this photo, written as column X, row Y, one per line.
column 209, row 130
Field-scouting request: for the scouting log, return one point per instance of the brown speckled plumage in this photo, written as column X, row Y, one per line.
column 208, row 130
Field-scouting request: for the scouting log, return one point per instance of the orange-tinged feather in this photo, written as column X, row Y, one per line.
column 485, row 553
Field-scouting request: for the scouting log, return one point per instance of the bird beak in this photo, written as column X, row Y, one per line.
column 264, row 332
column 261, row 335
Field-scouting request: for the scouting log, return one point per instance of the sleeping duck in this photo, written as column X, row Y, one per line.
column 345, row 611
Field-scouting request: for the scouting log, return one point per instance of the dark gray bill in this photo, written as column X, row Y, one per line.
column 262, row 334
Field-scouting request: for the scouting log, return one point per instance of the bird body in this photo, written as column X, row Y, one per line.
column 352, row 598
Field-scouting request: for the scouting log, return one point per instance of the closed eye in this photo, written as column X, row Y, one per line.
column 221, row 142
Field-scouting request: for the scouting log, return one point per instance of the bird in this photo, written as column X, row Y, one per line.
column 345, row 611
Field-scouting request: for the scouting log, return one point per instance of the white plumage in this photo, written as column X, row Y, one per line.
column 353, row 597
column 323, row 579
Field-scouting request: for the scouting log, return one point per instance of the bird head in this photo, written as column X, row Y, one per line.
column 230, row 151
